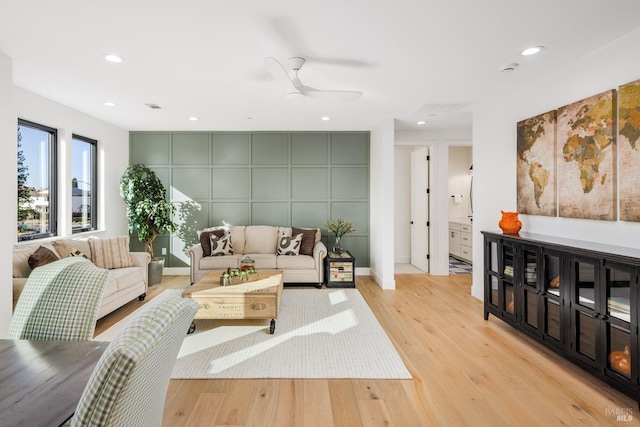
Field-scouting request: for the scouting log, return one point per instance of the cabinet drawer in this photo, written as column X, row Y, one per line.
column 454, row 226
column 465, row 252
column 467, row 228
column 465, row 239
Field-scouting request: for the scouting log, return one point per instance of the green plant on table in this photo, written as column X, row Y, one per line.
column 339, row 227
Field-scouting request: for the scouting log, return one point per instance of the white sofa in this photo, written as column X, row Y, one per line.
column 124, row 285
column 260, row 243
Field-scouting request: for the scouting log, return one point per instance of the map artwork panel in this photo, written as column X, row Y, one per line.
column 629, row 151
column 536, row 164
column 587, row 158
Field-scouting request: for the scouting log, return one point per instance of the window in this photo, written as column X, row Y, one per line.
column 36, row 181
column 83, row 184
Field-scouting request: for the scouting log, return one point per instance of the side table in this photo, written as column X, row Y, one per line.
column 340, row 270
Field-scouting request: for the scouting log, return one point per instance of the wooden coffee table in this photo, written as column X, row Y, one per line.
column 257, row 299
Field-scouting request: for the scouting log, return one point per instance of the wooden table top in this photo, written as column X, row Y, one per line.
column 210, row 284
column 41, row 381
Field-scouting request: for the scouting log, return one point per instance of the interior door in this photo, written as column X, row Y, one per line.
column 420, row 209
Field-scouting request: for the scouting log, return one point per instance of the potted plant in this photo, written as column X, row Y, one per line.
column 148, row 211
column 339, row 228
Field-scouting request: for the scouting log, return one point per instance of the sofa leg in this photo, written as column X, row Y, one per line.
column 141, row 297
column 319, row 285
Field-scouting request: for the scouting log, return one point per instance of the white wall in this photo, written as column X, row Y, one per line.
column 494, row 146
column 381, row 208
column 438, row 144
column 460, row 158
column 113, row 158
column 8, row 173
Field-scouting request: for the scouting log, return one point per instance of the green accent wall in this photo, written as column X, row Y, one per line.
column 298, row 179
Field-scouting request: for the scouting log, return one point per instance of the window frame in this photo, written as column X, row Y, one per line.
column 53, row 180
column 93, row 160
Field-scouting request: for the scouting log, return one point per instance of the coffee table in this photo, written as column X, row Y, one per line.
column 257, row 299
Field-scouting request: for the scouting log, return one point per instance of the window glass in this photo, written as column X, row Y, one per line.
column 36, row 181
column 83, row 188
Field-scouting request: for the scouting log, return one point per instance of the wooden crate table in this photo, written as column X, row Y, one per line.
column 256, row 299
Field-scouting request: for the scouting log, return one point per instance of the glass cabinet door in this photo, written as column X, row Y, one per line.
column 584, row 323
column 585, row 281
column 619, row 348
column 551, row 297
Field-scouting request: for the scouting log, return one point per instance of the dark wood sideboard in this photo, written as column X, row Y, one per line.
column 578, row 298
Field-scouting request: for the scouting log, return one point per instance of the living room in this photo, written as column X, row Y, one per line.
column 604, row 64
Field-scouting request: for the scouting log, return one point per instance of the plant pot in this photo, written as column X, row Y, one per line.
column 155, row 271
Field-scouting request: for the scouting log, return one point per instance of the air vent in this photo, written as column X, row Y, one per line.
column 426, row 110
column 154, row 106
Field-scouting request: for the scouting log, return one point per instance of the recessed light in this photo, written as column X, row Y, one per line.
column 110, row 104
column 193, row 119
column 325, row 118
column 111, row 57
column 532, row 50
column 421, row 122
column 509, row 67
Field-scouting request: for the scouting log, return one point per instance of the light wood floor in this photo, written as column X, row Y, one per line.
column 466, row 372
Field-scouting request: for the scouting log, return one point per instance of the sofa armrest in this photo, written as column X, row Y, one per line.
column 142, row 260
column 319, row 253
column 195, row 255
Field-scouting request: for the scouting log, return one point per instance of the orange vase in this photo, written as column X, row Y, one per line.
column 510, row 224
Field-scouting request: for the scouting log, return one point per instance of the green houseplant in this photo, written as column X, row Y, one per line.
column 339, row 228
column 148, row 211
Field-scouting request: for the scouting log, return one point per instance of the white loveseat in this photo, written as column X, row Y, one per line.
column 124, row 285
column 260, row 243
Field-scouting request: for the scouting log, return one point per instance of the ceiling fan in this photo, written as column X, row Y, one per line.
column 295, row 88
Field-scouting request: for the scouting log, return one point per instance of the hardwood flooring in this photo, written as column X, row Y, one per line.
column 466, row 372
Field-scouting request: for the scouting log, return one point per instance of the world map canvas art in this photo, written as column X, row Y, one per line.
column 536, row 163
column 586, row 153
column 629, row 151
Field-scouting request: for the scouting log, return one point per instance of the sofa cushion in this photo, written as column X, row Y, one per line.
column 288, row 245
column 264, row 261
column 42, row 256
column 221, row 245
column 237, row 238
column 21, row 254
column 112, row 285
column 111, row 253
column 64, row 247
column 205, row 238
column 308, row 239
column 219, row 262
column 127, row 277
column 261, row 239
column 300, row 262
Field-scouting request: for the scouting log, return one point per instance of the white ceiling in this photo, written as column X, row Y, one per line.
column 205, row 58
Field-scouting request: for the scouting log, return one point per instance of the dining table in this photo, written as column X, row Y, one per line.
column 41, row 382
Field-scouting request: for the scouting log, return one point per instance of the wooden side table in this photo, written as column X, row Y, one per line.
column 340, row 271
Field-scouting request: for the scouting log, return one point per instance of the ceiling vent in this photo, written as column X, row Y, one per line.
column 154, row 106
column 426, row 109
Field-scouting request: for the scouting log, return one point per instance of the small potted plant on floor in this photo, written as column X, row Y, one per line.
column 148, row 211
column 339, row 228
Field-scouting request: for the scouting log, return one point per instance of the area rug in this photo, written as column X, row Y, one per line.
column 320, row 333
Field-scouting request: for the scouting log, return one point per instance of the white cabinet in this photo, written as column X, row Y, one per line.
column 460, row 240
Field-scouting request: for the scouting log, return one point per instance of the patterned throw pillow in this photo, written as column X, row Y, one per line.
column 205, row 240
column 41, row 256
column 308, row 239
column 77, row 252
column 288, row 245
column 221, row 245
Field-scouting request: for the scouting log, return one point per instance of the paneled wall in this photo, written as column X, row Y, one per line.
column 297, row 179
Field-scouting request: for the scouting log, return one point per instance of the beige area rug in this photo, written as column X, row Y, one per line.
column 320, row 333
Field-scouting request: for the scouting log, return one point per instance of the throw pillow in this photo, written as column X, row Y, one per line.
column 308, row 239
column 288, row 245
column 41, row 256
column 78, row 252
column 205, row 240
column 111, row 253
column 221, row 245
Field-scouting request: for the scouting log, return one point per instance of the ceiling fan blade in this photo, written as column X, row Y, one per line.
column 338, row 95
column 277, row 70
